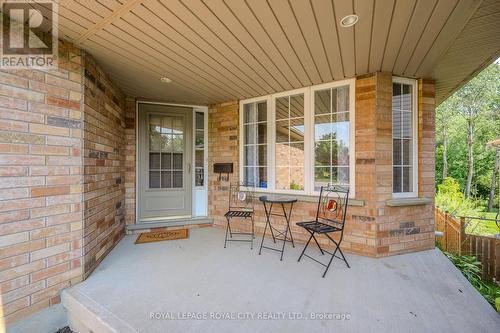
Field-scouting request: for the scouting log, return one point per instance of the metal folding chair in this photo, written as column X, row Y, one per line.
column 330, row 219
column 241, row 205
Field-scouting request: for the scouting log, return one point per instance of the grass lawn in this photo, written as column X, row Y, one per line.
column 478, row 227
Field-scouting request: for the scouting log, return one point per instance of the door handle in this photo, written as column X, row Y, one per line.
column 189, row 168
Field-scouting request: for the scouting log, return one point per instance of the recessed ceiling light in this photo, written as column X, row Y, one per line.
column 165, row 79
column 349, row 20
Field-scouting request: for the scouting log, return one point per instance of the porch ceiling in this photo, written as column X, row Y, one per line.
column 221, row 50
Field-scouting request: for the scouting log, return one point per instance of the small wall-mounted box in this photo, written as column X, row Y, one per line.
column 221, row 168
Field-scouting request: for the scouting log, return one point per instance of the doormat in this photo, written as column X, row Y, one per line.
column 149, row 237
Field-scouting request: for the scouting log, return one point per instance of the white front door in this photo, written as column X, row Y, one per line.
column 165, row 154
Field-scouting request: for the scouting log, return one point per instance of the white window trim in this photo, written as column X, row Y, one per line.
column 308, row 136
column 414, row 84
column 242, row 136
column 352, row 130
column 204, row 111
column 272, row 129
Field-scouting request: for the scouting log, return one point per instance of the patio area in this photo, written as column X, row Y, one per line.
column 174, row 280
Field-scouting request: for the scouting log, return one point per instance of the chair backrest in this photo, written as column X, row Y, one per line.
column 241, row 197
column 332, row 205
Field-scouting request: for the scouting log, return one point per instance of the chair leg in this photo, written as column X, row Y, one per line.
column 342, row 254
column 284, row 241
column 291, row 237
column 305, row 247
column 337, row 248
column 317, row 244
column 272, row 233
column 263, row 235
column 253, row 234
column 253, row 227
column 227, row 228
column 330, row 262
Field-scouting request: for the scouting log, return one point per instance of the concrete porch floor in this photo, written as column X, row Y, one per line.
column 418, row 292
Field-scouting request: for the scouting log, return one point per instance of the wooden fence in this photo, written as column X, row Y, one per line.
column 455, row 240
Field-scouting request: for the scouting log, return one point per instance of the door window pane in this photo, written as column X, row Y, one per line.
column 177, row 179
column 199, row 140
column 166, row 149
column 178, row 125
column 166, row 124
column 199, row 153
column 154, row 161
column 199, row 177
column 155, row 141
column 177, row 161
column 166, row 179
column 199, row 157
column 166, row 161
column 154, row 179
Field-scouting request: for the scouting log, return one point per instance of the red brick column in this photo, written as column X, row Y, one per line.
column 130, row 160
column 411, row 228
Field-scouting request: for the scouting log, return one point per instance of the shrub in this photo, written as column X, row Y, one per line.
column 450, row 198
column 471, row 269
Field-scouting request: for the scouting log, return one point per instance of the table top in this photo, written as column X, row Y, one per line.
column 282, row 199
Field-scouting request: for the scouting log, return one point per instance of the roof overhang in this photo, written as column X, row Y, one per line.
column 216, row 51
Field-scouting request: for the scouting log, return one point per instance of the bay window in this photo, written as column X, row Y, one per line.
column 404, row 137
column 297, row 141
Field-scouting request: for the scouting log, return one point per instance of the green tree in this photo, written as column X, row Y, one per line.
column 465, row 122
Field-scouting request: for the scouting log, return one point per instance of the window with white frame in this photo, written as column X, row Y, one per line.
column 331, row 136
column 289, row 143
column 254, row 122
column 303, row 141
column 404, row 137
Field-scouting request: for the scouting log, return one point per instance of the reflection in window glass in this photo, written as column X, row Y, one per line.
column 331, row 137
column 199, row 164
column 402, row 138
column 166, row 151
column 289, row 147
column 255, row 144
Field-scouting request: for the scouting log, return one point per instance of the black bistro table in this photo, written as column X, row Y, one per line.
column 272, row 200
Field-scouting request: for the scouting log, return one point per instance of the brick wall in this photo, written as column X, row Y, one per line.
column 104, row 165
column 130, row 160
column 41, row 184
column 62, row 169
column 373, row 229
column 223, row 147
